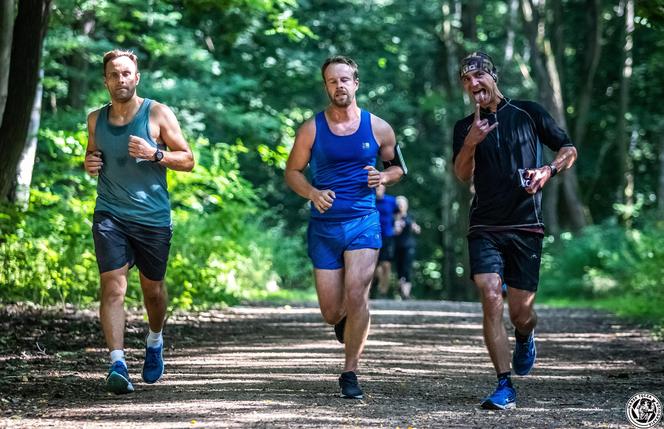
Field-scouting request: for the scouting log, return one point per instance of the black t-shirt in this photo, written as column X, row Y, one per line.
column 500, row 202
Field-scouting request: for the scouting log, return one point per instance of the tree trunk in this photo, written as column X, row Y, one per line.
column 551, row 97
column 6, row 27
column 29, row 31
column 79, row 66
column 593, row 49
column 27, row 161
column 469, row 10
column 509, row 45
column 454, row 221
column 660, row 190
column 621, row 126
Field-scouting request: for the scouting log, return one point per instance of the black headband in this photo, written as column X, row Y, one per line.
column 478, row 61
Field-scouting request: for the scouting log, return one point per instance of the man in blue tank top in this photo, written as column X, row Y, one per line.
column 131, row 143
column 340, row 146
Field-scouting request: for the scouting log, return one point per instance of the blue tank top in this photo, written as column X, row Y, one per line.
column 337, row 163
column 130, row 190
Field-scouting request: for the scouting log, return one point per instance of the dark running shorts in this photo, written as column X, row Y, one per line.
column 387, row 251
column 514, row 255
column 119, row 242
column 404, row 257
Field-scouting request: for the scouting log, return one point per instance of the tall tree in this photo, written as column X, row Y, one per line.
column 27, row 161
column 660, row 187
column 593, row 53
column 455, row 199
column 626, row 179
column 6, row 27
column 550, row 95
column 29, row 31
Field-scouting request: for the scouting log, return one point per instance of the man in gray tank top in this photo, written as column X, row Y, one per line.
column 131, row 143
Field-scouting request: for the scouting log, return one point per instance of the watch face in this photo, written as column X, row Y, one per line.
column 158, row 155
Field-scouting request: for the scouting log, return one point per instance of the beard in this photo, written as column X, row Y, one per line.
column 340, row 99
column 123, row 95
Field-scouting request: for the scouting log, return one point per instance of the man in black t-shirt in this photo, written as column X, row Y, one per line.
column 499, row 147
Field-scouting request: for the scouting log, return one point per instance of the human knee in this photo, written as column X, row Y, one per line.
column 521, row 319
column 356, row 297
column 154, row 291
column 113, row 290
column 490, row 290
column 332, row 316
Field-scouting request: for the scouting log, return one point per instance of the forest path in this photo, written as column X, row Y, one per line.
column 424, row 365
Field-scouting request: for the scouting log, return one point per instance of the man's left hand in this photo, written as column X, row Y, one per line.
column 375, row 176
column 139, row 148
column 538, row 177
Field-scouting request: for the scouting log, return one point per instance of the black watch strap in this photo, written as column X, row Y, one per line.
column 158, row 155
column 554, row 170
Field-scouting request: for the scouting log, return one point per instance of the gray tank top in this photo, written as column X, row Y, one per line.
column 131, row 190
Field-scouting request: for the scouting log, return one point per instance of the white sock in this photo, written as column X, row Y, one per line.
column 154, row 339
column 118, row 355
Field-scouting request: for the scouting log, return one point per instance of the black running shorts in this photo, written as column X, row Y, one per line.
column 119, row 242
column 514, row 255
column 387, row 250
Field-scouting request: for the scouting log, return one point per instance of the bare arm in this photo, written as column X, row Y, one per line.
column 565, row 159
column 179, row 156
column 464, row 165
column 298, row 159
column 93, row 161
column 385, row 137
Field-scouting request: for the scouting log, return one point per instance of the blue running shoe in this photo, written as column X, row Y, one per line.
column 117, row 380
column 350, row 388
column 153, row 366
column 503, row 398
column 524, row 355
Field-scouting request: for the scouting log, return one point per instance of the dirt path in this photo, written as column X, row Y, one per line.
column 424, row 366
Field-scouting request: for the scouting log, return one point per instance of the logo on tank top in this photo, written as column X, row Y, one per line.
column 366, row 145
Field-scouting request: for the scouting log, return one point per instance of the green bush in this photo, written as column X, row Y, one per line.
column 616, row 268
column 224, row 248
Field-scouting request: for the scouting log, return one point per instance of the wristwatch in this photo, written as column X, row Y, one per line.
column 554, row 170
column 158, row 156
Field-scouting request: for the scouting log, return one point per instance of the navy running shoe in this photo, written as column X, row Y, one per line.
column 503, row 398
column 524, row 355
column 153, row 366
column 350, row 388
column 117, row 380
column 339, row 330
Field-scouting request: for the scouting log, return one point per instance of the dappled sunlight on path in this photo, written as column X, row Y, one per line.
column 424, row 365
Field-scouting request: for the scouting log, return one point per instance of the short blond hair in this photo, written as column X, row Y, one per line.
column 340, row 59
column 117, row 53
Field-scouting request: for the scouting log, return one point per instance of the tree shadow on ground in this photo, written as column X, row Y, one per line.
column 424, row 365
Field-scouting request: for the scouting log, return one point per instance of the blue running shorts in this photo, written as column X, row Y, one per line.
column 329, row 240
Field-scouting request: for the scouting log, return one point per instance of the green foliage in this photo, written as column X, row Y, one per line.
column 247, row 72
column 222, row 249
column 621, row 268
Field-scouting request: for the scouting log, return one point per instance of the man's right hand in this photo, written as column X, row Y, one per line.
column 322, row 200
column 479, row 129
column 93, row 163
